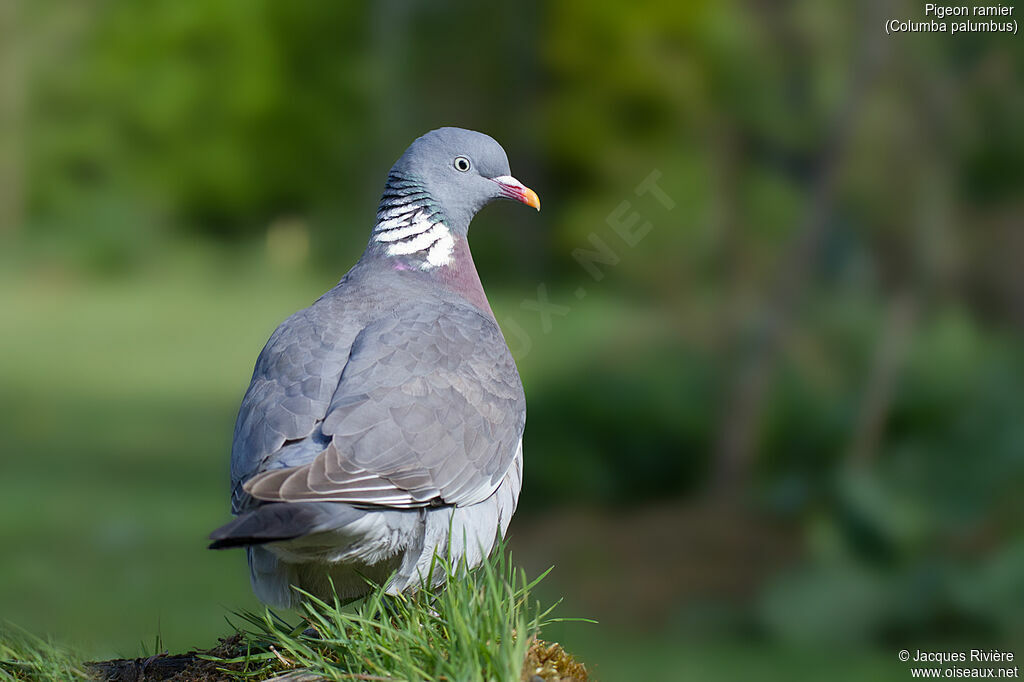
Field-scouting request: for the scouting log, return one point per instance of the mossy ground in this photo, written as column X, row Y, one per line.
column 545, row 661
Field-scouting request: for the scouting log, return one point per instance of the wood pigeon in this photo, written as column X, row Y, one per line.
column 385, row 421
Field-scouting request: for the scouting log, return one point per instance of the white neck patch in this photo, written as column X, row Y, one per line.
column 412, row 232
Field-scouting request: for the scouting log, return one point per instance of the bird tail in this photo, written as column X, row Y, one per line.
column 274, row 522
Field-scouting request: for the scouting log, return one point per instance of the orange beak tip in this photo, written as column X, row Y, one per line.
column 510, row 188
column 531, row 198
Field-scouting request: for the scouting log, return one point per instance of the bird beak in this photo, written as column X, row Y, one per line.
column 513, row 189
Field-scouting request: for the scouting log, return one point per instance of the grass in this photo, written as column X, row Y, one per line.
column 484, row 625
column 23, row 656
column 480, row 627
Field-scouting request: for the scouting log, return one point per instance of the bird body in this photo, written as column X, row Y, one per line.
column 384, row 422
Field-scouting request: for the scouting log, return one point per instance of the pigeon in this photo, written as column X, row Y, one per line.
column 384, row 423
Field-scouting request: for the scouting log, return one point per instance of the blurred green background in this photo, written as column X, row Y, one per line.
column 775, row 420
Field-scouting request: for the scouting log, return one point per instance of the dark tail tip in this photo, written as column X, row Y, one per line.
column 233, row 535
column 268, row 523
column 233, row 541
column 229, row 543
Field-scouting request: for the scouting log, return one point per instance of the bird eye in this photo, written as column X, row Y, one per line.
column 461, row 164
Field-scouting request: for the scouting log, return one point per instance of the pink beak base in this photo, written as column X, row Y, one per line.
column 513, row 189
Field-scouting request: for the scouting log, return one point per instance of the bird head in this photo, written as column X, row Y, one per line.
column 462, row 171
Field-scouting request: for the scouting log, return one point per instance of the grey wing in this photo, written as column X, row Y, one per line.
column 429, row 410
column 291, row 389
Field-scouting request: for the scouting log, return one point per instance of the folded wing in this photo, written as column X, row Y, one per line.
column 429, row 409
